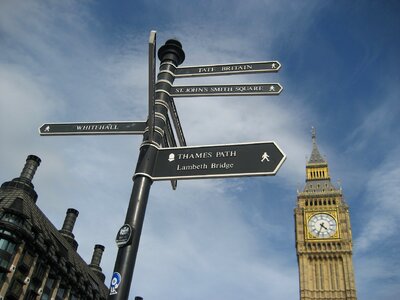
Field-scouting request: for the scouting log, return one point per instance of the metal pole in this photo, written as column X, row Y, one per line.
column 128, row 237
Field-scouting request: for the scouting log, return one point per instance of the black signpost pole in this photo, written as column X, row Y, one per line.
column 171, row 55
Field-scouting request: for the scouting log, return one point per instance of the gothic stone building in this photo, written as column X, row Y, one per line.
column 37, row 261
column 323, row 236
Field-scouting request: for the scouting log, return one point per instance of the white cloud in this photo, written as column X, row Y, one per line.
column 383, row 192
column 24, row 103
column 375, row 270
column 377, row 172
column 199, row 245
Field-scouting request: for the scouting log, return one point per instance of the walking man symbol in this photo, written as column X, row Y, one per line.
column 265, row 156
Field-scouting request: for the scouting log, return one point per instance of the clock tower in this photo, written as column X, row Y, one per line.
column 323, row 235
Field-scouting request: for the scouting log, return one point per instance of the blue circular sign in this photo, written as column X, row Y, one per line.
column 115, row 282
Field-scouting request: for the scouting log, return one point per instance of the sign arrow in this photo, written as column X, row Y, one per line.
column 93, row 128
column 218, row 161
column 249, row 89
column 228, row 69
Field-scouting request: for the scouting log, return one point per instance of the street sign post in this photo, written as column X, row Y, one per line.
column 170, row 54
column 248, row 89
column 93, row 128
column 228, row 69
column 161, row 159
column 218, row 161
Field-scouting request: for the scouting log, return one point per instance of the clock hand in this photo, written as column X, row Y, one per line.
column 323, row 226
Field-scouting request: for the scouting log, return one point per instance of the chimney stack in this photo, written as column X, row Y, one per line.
column 68, row 226
column 31, row 165
column 24, row 181
column 96, row 259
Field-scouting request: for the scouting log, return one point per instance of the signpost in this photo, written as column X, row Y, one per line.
column 161, row 159
column 218, row 161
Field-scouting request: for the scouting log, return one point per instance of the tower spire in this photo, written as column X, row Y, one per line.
column 316, row 157
column 317, row 169
column 313, row 135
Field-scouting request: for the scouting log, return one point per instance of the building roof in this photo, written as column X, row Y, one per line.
column 18, row 196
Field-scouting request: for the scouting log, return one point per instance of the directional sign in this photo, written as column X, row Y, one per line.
column 228, row 69
column 232, row 160
column 93, row 128
column 250, row 89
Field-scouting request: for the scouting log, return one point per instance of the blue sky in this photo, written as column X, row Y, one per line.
column 216, row 239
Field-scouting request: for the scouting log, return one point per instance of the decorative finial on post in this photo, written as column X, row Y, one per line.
column 172, row 50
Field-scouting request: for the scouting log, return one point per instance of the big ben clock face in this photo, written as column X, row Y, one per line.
column 322, row 226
